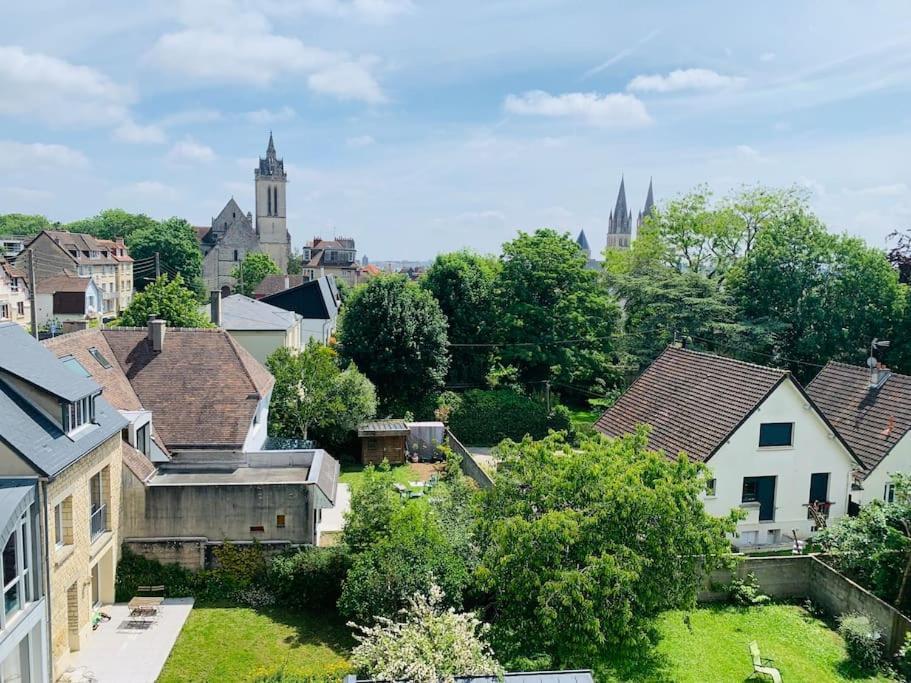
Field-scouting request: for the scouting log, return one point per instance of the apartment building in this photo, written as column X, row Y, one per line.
column 14, row 299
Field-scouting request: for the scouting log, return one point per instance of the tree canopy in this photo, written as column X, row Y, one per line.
column 175, row 242
column 167, row 299
column 112, row 223
column 252, row 270
column 24, row 224
column 395, row 332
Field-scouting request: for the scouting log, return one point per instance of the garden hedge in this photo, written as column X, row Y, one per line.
column 486, row 417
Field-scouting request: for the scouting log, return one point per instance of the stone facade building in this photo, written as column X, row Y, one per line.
column 620, row 222
column 14, row 298
column 233, row 233
column 336, row 257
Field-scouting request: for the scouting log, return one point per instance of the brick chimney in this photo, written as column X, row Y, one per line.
column 156, row 334
column 215, row 307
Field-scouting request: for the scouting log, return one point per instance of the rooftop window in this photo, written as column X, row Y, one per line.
column 97, row 355
column 75, row 366
column 78, row 413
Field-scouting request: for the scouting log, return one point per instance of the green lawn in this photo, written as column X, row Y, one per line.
column 352, row 473
column 230, row 643
column 714, row 648
column 583, row 419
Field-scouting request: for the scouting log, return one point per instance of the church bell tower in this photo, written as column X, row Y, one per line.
column 271, row 214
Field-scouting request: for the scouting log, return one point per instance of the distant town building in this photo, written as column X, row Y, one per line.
column 232, row 234
column 620, row 222
column 336, row 257
column 14, row 298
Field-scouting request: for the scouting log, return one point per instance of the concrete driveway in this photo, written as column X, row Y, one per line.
column 333, row 519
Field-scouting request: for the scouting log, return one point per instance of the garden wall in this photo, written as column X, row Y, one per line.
column 189, row 553
column 470, row 467
column 807, row 576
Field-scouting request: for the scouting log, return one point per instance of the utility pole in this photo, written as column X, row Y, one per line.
column 32, row 286
column 547, row 394
column 157, row 266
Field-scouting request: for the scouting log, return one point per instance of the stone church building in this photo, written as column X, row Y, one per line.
column 620, row 222
column 233, row 233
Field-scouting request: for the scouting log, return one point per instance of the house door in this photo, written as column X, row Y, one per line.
column 760, row 490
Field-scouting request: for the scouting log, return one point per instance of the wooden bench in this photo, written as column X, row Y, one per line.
column 763, row 666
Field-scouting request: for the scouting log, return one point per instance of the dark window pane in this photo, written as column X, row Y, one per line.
column 11, row 599
column 10, row 569
column 749, row 491
column 776, row 433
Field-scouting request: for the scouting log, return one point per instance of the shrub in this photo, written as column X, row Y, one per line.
column 903, row 659
column 863, row 640
column 334, row 673
column 746, row 592
column 489, row 416
column 309, row 577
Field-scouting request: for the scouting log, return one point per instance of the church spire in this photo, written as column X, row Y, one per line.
column 270, row 150
column 649, row 207
column 582, row 241
column 621, row 217
column 271, row 166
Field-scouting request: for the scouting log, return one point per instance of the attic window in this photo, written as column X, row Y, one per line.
column 773, row 434
column 102, row 361
column 75, row 366
column 78, row 413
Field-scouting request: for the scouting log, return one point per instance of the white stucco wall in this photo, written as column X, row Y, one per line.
column 898, row 460
column 313, row 328
column 259, row 426
column 815, row 449
column 261, row 343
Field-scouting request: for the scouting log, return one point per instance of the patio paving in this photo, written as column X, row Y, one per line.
column 121, row 652
column 333, row 518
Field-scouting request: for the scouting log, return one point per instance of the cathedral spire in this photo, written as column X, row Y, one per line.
column 270, row 150
column 582, row 241
column 649, row 200
column 621, row 217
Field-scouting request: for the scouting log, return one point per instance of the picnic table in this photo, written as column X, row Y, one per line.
column 144, row 606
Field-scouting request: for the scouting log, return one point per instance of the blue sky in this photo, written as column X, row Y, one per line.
column 418, row 127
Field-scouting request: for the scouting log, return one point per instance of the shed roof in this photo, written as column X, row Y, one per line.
column 383, row 428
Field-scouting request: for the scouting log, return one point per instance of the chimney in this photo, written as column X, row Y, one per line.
column 156, row 334
column 215, row 306
column 879, row 373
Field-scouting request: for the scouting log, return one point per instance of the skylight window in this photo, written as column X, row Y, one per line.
column 75, row 366
column 97, row 355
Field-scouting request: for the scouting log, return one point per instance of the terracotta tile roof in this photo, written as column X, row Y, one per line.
column 272, row 284
column 10, row 269
column 871, row 420
column 63, row 283
column 201, row 231
column 203, row 388
column 693, row 401
column 82, row 243
column 137, row 463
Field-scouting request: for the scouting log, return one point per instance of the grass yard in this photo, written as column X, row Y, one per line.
column 714, row 648
column 352, row 473
column 231, row 643
column 584, row 419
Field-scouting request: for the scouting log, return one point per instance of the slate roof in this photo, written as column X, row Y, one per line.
column 203, row 388
column 312, row 300
column 25, row 358
column 239, row 312
column 693, row 401
column 871, row 420
column 273, row 284
column 25, row 429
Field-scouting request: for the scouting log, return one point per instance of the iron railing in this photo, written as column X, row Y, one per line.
column 99, row 521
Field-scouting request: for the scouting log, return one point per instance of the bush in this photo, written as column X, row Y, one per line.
column 309, row 578
column 903, row 659
column 863, row 640
column 335, row 674
column 746, row 592
column 489, row 416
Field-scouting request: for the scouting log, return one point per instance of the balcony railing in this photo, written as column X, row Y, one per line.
column 98, row 521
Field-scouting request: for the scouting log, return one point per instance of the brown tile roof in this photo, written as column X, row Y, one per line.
column 202, row 389
column 273, row 284
column 10, row 269
column 201, row 231
column 872, row 421
column 693, row 401
column 137, row 462
column 62, row 283
column 81, row 242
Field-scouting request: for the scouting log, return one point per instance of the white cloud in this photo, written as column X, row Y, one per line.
column 224, row 42
column 365, row 10
column 130, row 131
column 38, row 156
column 265, row 116
column 144, row 191
column 750, row 153
column 767, row 57
column 35, row 85
column 684, row 79
column 26, row 195
column 613, row 109
column 189, row 117
column 190, row 151
column 889, row 190
column 813, row 185
column 359, row 141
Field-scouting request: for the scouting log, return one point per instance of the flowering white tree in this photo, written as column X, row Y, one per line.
column 428, row 645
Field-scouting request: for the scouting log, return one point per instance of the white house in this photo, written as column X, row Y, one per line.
column 257, row 326
column 67, row 297
column 872, row 411
column 772, row 452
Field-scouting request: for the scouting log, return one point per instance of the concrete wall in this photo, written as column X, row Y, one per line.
column 261, row 343
column 814, row 450
column 470, row 466
column 189, row 553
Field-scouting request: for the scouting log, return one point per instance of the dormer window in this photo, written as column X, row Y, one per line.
column 78, row 414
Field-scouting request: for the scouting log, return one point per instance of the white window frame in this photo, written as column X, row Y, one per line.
column 58, row 525
column 711, row 488
column 889, row 492
column 24, row 580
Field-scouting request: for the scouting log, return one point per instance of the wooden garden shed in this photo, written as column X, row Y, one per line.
column 383, row 440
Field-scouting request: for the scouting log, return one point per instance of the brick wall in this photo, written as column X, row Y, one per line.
column 71, row 565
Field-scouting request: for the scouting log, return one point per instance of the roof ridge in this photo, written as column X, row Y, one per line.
column 730, row 360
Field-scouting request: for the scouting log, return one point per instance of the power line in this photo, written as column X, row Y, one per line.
column 524, row 344
column 758, row 353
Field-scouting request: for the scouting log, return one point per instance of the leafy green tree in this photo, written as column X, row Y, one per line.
column 555, row 320
column 296, row 262
column 112, row 223
column 394, row 331
column 175, row 242
column 24, row 224
column 312, row 392
column 818, row 296
column 251, row 271
column 373, row 504
column 167, row 299
column 463, row 283
column 427, row 644
column 584, row 546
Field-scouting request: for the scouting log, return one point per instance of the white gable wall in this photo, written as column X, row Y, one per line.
column 815, row 449
column 898, row 460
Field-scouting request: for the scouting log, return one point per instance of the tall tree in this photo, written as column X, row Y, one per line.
column 821, row 296
column 463, row 283
column 555, row 320
column 395, row 332
column 175, row 242
column 251, row 271
column 112, row 223
column 166, row 298
column 313, row 393
column 23, row 224
column 584, row 546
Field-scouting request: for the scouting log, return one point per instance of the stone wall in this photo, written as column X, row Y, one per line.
column 470, row 467
column 189, row 553
column 808, row 576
